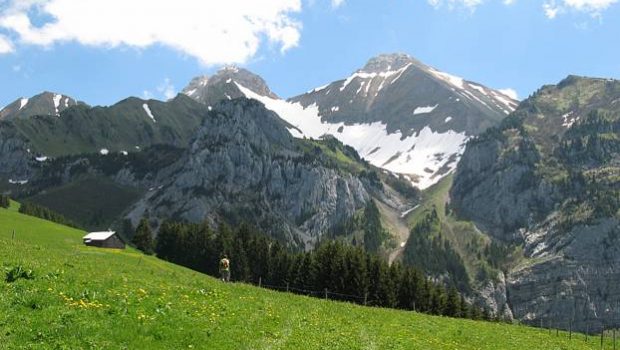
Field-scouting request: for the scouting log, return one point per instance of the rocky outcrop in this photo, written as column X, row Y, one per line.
column 243, row 165
column 496, row 185
column 546, row 180
column 16, row 163
column 221, row 86
column 572, row 277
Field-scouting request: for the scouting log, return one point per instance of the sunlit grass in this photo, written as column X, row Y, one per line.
column 83, row 297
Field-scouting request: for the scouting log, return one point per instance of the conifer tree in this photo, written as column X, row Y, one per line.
column 5, row 201
column 143, row 238
column 453, row 303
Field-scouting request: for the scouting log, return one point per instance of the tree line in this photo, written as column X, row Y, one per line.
column 5, row 201
column 343, row 270
column 38, row 211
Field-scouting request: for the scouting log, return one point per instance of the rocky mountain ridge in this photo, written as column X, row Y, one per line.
column 547, row 180
column 399, row 114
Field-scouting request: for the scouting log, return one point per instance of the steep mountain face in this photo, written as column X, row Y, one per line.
column 223, row 163
column 211, row 90
column 244, row 165
column 127, row 126
column 547, row 179
column 398, row 113
column 46, row 103
column 16, row 162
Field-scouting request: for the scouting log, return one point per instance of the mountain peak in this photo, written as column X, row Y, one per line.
column 223, row 85
column 388, row 62
column 45, row 103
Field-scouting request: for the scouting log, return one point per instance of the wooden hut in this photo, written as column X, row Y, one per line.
column 104, row 239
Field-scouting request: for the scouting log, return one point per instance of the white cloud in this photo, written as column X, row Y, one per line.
column 147, row 95
column 167, row 89
column 593, row 7
column 512, row 93
column 214, row 32
column 551, row 8
column 452, row 4
column 337, row 3
column 6, row 46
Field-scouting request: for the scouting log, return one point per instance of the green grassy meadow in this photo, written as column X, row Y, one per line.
column 89, row 298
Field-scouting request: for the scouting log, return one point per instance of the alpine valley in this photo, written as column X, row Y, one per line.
column 515, row 203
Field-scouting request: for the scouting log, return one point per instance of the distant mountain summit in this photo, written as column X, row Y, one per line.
column 398, row 113
column 45, row 103
column 210, row 90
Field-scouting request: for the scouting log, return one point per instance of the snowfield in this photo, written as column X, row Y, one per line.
column 420, row 155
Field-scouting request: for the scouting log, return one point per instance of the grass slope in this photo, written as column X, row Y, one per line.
column 84, row 297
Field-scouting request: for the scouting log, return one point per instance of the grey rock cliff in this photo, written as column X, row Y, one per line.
column 244, row 165
column 546, row 180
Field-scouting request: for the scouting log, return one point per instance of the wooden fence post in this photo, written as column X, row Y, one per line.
column 325, row 293
column 602, row 333
column 13, row 235
column 287, row 287
column 365, row 298
column 614, row 332
column 260, row 282
column 570, row 329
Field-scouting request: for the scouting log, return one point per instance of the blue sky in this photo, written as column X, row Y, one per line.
column 520, row 44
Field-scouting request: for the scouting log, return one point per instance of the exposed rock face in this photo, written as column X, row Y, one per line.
column 15, row 161
column 221, row 86
column 574, row 277
column 494, row 296
column 547, row 180
column 496, row 187
column 244, row 165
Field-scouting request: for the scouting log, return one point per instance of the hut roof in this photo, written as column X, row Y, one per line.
column 99, row 236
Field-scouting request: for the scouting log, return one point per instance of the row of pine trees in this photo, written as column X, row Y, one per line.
column 333, row 269
column 44, row 213
column 5, row 202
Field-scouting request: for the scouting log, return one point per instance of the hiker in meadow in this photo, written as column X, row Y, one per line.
column 225, row 268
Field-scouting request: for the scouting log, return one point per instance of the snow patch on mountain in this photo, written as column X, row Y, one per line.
column 424, row 110
column 448, row 78
column 57, row 99
column 371, row 75
column 569, row 119
column 23, row 102
column 148, row 112
column 425, row 156
column 18, row 182
column 506, row 100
